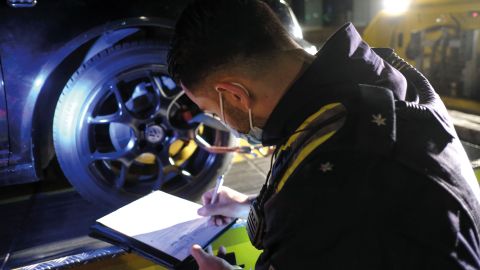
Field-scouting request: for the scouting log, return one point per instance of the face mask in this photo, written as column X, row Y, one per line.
column 254, row 135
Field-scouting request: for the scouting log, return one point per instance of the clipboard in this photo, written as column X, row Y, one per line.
column 160, row 227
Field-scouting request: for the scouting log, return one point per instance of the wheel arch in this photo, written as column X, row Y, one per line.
column 55, row 74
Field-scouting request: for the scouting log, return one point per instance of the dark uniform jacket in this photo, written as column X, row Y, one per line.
column 376, row 178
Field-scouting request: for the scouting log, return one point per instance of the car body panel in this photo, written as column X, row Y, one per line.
column 4, row 146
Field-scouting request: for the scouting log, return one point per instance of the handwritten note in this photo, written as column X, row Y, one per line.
column 163, row 221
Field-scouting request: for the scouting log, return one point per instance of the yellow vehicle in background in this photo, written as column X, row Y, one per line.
column 441, row 39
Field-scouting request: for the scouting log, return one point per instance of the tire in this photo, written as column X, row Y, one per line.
column 112, row 137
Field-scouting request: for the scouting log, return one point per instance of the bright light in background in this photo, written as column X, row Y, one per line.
column 297, row 29
column 396, row 7
column 311, row 50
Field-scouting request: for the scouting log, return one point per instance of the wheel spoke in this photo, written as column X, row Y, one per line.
column 160, row 180
column 107, row 155
column 159, row 94
column 157, row 85
column 105, row 119
column 172, row 171
column 126, row 157
column 118, row 97
column 124, row 114
column 122, row 176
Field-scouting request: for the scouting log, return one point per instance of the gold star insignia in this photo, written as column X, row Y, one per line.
column 325, row 167
column 379, row 120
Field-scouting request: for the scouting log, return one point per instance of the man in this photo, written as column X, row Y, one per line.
column 368, row 172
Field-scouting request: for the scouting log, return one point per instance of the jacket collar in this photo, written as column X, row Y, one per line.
column 343, row 62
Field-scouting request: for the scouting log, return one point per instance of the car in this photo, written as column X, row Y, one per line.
column 84, row 92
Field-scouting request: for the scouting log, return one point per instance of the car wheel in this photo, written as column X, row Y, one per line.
column 112, row 134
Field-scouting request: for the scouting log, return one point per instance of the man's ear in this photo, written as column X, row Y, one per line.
column 236, row 94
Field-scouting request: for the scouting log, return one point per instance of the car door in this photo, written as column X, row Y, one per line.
column 4, row 146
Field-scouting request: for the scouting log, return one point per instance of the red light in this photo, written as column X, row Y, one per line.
column 475, row 14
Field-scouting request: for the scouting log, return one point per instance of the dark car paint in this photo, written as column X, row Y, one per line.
column 4, row 147
column 42, row 46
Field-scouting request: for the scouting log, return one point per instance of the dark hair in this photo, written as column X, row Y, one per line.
column 211, row 34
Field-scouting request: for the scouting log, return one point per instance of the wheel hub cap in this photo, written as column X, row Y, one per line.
column 154, row 134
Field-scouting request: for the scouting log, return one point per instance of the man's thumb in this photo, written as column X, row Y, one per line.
column 198, row 254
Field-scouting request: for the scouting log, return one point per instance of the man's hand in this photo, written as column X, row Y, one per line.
column 230, row 204
column 207, row 261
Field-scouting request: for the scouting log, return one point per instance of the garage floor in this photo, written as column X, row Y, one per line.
column 54, row 222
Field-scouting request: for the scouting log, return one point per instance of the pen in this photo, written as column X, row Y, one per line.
column 217, row 189
column 214, row 200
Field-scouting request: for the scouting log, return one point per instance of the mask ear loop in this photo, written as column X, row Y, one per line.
column 225, row 149
column 250, row 119
column 220, row 149
column 220, row 98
